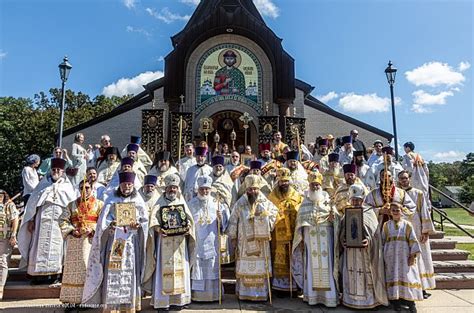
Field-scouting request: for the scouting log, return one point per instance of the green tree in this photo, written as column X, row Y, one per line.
column 29, row 126
column 467, row 177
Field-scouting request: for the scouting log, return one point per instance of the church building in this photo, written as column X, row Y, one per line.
column 227, row 74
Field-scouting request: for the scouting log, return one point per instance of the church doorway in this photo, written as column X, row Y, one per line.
column 227, row 122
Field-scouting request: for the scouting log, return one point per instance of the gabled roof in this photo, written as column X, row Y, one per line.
column 318, row 105
column 205, row 8
column 454, row 189
column 132, row 103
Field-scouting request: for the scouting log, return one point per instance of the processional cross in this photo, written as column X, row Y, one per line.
column 246, row 119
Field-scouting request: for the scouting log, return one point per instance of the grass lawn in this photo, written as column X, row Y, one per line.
column 458, row 215
column 467, row 246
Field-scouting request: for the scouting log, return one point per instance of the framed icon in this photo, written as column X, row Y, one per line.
column 126, row 214
column 354, row 224
column 174, row 220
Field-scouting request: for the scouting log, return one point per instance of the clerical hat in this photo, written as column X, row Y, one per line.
column 387, row 150
column 172, row 180
column 58, row 163
column 136, row 139
column 150, row 180
column 127, row 161
column 162, row 156
column 112, row 150
column 255, row 165
column 358, row 153
column 292, row 155
column 283, row 174
column 356, row 191
column 204, row 181
column 218, row 160
column 315, row 177
column 264, row 147
column 349, row 168
column 127, row 177
column 346, row 139
column 132, row 147
column 323, row 142
column 202, row 151
column 333, row 157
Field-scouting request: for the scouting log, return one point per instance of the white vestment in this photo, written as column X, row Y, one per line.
column 42, row 251
column 190, row 183
column 315, row 244
column 205, row 269
column 117, row 258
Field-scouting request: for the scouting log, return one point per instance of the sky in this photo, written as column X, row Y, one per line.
column 341, row 47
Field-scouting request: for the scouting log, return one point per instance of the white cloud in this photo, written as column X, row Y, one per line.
column 267, row 8
column 134, row 85
column 448, row 156
column 422, row 100
column 434, row 74
column 367, row 103
column 3, row 54
column 142, row 31
column 190, row 2
column 328, row 97
column 130, row 4
column 464, row 66
column 166, row 15
column 160, row 58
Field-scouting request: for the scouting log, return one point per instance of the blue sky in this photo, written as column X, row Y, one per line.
column 340, row 46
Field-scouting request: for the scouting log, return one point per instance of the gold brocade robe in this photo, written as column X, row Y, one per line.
column 282, row 235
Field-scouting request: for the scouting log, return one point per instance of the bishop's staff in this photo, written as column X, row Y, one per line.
column 267, row 269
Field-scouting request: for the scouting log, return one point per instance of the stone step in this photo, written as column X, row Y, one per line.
column 229, row 286
column 436, row 244
column 438, row 234
column 449, row 255
column 23, row 290
column 14, row 261
column 15, row 274
column 454, row 280
column 465, row 266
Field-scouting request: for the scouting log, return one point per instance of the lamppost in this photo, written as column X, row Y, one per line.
column 64, row 69
column 391, row 72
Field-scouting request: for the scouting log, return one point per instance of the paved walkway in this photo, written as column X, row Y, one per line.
column 460, row 239
column 441, row 301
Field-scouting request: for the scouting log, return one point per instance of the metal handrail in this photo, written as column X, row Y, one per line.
column 444, row 216
column 452, row 200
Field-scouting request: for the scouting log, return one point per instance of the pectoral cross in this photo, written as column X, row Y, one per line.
column 360, row 272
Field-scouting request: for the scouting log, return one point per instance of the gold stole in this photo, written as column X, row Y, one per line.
column 173, row 249
column 319, row 258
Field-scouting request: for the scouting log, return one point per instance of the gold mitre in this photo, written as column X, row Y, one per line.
column 315, row 177
column 253, row 180
column 283, row 174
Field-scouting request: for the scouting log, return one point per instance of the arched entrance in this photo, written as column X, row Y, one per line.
column 227, row 121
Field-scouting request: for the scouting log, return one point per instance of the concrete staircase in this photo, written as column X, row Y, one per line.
column 453, row 271
column 452, row 268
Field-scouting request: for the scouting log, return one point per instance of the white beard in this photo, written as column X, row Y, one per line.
column 202, row 198
column 171, row 196
column 316, row 196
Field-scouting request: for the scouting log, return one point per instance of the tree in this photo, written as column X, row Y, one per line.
column 29, row 126
column 467, row 176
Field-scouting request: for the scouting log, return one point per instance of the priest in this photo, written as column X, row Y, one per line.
column 40, row 240
column 315, row 253
column 149, row 192
column 341, row 197
column 299, row 177
column 169, row 255
column 221, row 182
column 117, row 258
column 199, row 169
column 363, row 277
column 210, row 217
column 250, row 225
column 162, row 167
column 288, row 201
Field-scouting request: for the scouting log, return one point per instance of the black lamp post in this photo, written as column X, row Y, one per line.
column 64, row 69
column 391, row 72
